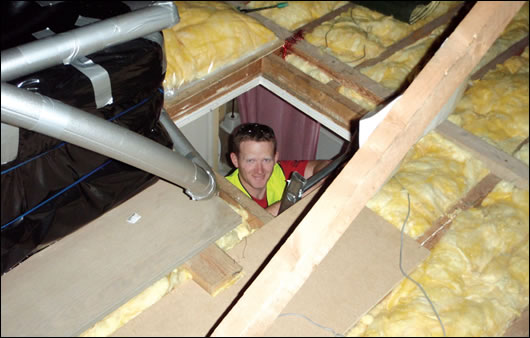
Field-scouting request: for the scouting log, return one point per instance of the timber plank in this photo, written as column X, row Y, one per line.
column 66, row 288
column 191, row 99
column 253, row 221
column 213, row 269
column 366, row 171
column 316, row 94
column 497, row 161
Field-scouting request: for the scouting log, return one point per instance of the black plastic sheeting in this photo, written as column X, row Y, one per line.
column 53, row 188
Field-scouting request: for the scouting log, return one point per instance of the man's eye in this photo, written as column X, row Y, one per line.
column 268, row 160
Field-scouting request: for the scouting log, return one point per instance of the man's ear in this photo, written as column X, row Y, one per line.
column 276, row 157
column 233, row 157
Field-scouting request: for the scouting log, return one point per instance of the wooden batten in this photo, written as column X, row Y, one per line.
column 228, row 192
column 316, row 94
column 366, row 171
column 341, row 72
column 213, row 269
column 497, row 161
column 472, row 199
column 505, row 165
column 516, row 49
column 308, row 27
column 413, row 37
column 204, row 92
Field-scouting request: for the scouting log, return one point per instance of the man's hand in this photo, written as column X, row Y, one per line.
column 274, row 209
column 312, row 168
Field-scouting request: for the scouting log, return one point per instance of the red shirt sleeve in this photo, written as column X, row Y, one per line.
column 290, row 166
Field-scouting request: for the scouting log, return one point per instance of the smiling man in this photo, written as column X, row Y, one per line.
column 258, row 172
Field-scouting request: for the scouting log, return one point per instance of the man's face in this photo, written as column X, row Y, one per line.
column 255, row 162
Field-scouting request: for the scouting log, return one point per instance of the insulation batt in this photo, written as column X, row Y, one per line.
column 210, row 35
column 495, row 107
column 477, row 276
column 437, row 174
column 361, row 34
column 297, row 13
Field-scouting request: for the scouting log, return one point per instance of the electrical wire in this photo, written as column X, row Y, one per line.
column 402, row 271
column 355, row 25
column 312, row 322
column 410, row 278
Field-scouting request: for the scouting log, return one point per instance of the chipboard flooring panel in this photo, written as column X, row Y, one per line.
column 64, row 289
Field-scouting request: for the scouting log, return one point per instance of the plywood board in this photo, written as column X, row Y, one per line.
column 356, row 274
column 64, row 289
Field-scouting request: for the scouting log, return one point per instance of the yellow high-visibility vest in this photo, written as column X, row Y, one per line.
column 275, row 185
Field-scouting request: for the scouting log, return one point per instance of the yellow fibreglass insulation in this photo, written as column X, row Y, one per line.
column 437, row 174
column 210, row 35
column 402, row 66
column 296, row 13
column 495, row 107
column 361, row 34
column 319, row 75
column 155, row 292
column 477, row 276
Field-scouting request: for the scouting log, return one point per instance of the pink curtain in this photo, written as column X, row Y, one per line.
column 297, row 134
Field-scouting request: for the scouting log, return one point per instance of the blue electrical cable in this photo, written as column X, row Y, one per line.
column 57, row 194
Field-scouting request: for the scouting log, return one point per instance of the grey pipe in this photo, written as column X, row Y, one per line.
column 67, row 46
column 181, row 143
column 42, row 114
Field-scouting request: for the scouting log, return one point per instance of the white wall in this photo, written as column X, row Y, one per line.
column 329, row 144
column 203, row 134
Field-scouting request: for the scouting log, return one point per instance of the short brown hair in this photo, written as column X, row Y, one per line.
column 252, row 132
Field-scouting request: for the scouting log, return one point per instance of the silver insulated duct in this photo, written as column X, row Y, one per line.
column 35, row 112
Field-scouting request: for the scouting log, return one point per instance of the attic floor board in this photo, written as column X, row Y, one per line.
column 365, row 258
column 66, row 288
